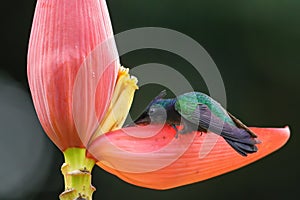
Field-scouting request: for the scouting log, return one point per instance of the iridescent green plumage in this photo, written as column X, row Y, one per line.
column 187, row 103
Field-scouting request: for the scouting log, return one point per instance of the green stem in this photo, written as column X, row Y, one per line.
column 77, row 175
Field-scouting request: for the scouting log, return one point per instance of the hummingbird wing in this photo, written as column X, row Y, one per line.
column 241, row 125
column 199, row 115
column 238, row 138
column 186, row 104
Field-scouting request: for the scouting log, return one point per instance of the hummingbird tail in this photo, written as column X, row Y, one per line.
column 241, row 141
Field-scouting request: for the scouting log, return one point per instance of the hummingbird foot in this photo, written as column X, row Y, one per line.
column 176, row 129
column 188, row 127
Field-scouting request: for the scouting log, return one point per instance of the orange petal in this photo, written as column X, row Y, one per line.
column 153, row 158
column 71, row 71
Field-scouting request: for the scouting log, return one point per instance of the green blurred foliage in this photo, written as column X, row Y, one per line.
column 255, row 45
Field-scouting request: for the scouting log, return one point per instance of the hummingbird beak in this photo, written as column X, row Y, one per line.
column 143, row 120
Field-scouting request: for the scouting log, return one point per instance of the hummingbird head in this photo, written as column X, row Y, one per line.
column 154, row 112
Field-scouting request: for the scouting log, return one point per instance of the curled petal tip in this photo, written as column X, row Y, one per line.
column 275, row 138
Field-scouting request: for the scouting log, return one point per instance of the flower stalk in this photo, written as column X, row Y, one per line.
column 77, row 175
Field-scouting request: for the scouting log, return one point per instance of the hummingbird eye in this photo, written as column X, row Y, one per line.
column 151, row 111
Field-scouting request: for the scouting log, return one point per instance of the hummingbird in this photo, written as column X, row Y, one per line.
column 196, row 111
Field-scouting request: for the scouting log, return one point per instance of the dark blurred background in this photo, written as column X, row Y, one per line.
column 255, row 45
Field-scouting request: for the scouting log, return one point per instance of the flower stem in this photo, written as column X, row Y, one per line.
column 77, row 175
